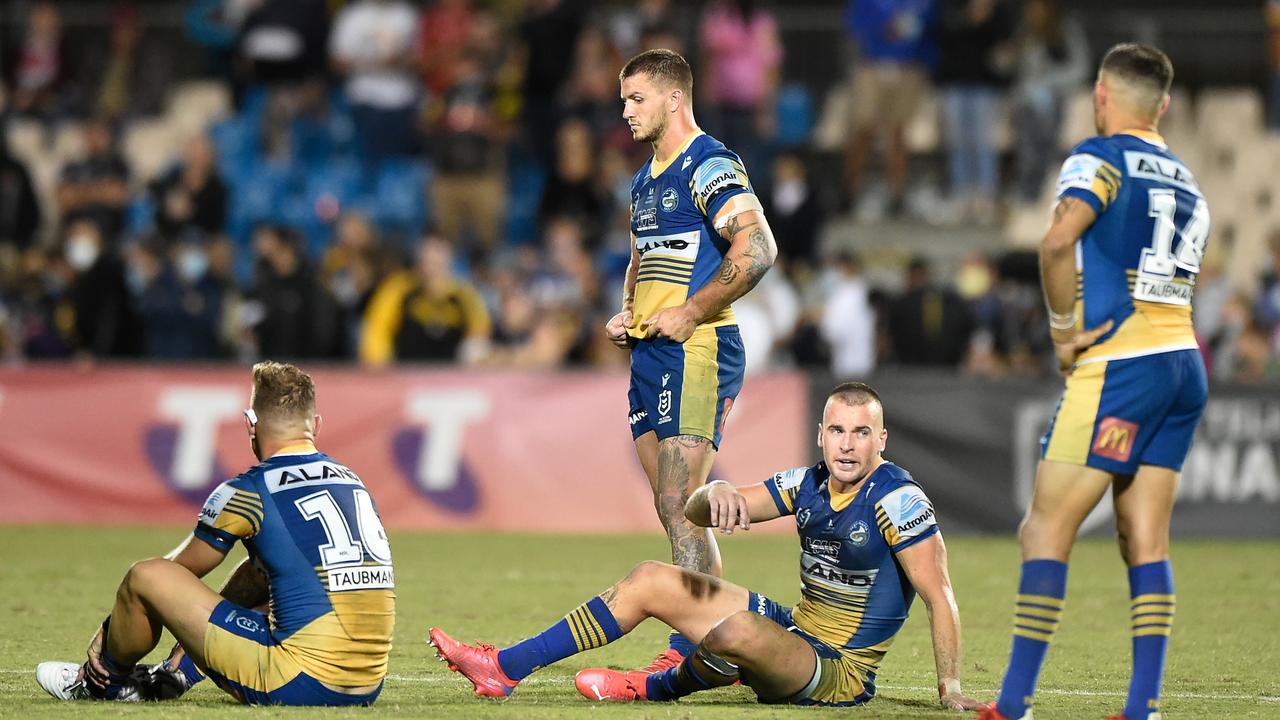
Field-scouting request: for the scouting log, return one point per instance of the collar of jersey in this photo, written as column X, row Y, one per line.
column 302, row 448
column 656, row 168
column 840, row 501
column 1147, row 136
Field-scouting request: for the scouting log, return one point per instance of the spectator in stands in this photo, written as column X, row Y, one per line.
column 629, row 24
column 354, row 265
column 130, row 77
column 574, row 188
column 444, row 34
column 928, row 325
column 103, row 322
column 976, row 57
column 848, row 320
column 742, row 55
column 469, row 191
column 1053, row 62
column 38, row 68
column 374, row 47
column 19, row 208
column 191, row 195
column 767, row 318
column 890, row 75
column 294, row 313
column 180, row 302
column 793, row 210
column 40, row 316
column 426, row 313
column 96, row 188
column 1266, row 306
column 548, row 35
column 592, row 91
column 282, row 43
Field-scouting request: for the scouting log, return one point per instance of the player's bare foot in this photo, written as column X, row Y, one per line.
column 478, row 663
column 606, row 685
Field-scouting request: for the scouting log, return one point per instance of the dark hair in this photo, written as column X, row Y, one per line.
column 666, row 67
column 856, row 393
column 1140, row 64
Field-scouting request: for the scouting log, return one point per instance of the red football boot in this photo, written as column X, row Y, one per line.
column 666, row 660
column 606, row 685
column 991, row 713
column 479, row 664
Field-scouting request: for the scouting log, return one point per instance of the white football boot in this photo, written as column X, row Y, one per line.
column 62, row 680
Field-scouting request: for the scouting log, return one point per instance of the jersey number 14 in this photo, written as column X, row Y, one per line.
column 1157, row 271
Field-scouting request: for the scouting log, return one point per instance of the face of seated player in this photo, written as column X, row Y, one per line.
column 852, row 438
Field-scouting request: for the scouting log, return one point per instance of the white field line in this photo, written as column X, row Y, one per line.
column 438, row 679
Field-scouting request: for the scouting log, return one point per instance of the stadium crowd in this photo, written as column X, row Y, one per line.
column 390, row 181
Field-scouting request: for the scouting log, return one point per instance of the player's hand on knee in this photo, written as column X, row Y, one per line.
column 1069, row 349
column 616, row 329
column 728, row 508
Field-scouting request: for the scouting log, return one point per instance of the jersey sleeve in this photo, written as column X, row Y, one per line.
column 784, row 487
column 230, row 514
column 717, row 179
column 1090, row 175
column 905, row 517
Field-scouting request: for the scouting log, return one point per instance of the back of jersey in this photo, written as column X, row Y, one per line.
column 312, row 525
column 1138, row 262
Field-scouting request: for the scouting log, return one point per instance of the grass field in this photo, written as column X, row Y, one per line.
column 58, row 583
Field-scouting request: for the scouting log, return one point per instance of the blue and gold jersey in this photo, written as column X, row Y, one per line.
column 1137, row 263
column 311, row 525
column 673, row 209
column 854, row 595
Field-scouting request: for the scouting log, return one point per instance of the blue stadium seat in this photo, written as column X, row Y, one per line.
column 795, row 115
column 400, row 194
column 237, row 142
column 525, row 180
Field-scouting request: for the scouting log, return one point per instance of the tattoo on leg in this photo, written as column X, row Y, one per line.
column 610, row 595
column 690, row 545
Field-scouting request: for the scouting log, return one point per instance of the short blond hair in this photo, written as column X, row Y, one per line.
column 282, row 394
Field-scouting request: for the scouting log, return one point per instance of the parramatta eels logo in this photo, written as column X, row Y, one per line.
column 859, row 534
column 670, row 200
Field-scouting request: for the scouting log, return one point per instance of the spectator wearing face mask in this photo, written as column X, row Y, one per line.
column 178, row 300
column 103, row 324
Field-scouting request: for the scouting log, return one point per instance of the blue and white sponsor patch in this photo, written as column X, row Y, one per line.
column 789, row 479
column 216, row 501
column 909, row 510
column 1078, row 172
column 715, row 175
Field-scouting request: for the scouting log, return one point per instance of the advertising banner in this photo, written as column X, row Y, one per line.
column 438, row 449
column 974, row 444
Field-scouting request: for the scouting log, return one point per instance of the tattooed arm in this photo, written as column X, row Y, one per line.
column 752, row 251
column 1071, row 218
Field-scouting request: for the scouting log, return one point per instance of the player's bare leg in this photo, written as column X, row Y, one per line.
column 1144, row 507
column 1064, row 496
column 676, row 468
column 154, row 594
column 158, row 594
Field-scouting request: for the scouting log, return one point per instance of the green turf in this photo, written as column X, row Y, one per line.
column 58, row 584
